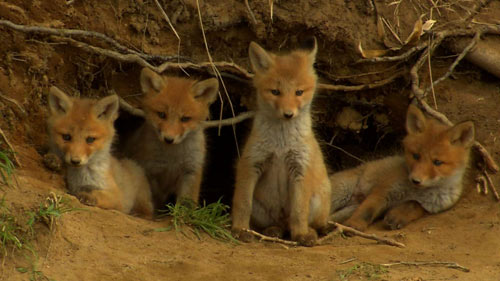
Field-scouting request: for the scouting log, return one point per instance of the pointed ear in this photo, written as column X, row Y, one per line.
column 206, row 90
column 462, row 134
column 415, row 120
column 151, row 81
column 311, row 44
column 259, row 58
column 107, row 108
column 59, row 102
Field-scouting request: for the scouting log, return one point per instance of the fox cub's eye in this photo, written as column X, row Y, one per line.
column 437, row 162
column 162, row 115
column 185, row 119
column 299, row 92
column 416, row 156
column 66, row 137
column 90, row 139
column 275, row 92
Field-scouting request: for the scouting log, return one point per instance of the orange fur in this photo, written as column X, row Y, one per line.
column 170, row 146
column 427, row 179
column 81, row 132
column 281, row 178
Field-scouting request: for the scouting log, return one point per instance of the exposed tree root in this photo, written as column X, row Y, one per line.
column 453, row 265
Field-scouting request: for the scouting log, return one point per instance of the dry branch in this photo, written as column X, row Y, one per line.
column 343, row 228
column 229, row 121
column 87, row 34
column 453, row 265
column 491, row 185
column 13, row 101
column 16, row 160
column 263, row 237
column 124, row 105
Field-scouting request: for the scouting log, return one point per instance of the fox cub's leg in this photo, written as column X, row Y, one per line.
column 299, row 213
column 190, row 186
column 247, row 176
column 143, row 204
column 372, row 207
column 403, row 214
column 104, row 199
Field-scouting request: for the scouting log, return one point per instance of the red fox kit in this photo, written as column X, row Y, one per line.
column 281, row 178
column 170, row 145
column 426, row 179
column 81, row 133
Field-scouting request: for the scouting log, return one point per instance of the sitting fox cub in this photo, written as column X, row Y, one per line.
column 281, row 178
column 81, row 133
column 427, row 179
column 170, row 145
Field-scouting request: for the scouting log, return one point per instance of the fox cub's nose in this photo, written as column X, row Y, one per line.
column 168, row 140
column 75, row 161
column 416, row 181
column 288, row 114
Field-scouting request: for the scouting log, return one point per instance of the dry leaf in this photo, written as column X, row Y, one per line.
column 415, row 34
column 428, row 26
column 367, row 54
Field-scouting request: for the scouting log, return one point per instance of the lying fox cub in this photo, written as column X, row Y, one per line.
column 426, row 179
column 81, row 133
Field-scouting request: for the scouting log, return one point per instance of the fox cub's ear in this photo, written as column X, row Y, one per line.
column 59, row 102
column 259, row 58
column 206, row 90
column 415, row 120
column 311, row 44
column 462, row 134
column 107, row 108
column 151, row 81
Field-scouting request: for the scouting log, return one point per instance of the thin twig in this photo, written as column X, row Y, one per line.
column 406, row 55
column 491, row 185
column 263, row 237
column 481, row 185
column 430, row 77
column 13, row 101
column 342, row 228
column 167, row 19
column 346, row 152
column 373, row 85
column 84, row 33
column 464, row 52
column 129, row 108
column 453, row 265
column 18, row 163
column 229, row 121
column 252, row 16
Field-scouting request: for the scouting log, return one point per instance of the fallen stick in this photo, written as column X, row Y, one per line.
column 343, row 228
column 16, row 160
column 453, row 265
column 85, row 33
column 481, row 185
column 263, row 237
column 491, row 185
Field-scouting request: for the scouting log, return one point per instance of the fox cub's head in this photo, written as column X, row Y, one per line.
column 81, row 127
column 176, row 106
column 433, row 151
column 285, row 83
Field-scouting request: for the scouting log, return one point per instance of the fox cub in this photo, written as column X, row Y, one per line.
column 281, row 178
column 170, row 145
column 81, row 133
column 426, row 179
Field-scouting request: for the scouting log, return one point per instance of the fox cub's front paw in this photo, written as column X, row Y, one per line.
column 360, row 225
column 274, row 231
column 87, row 198
column 242, row 235
column 308, row 239
column 395, row 220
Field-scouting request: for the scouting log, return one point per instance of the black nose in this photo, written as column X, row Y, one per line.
column 416, row 181
column 288, row 115
column 169, row 140
column 75, row 162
